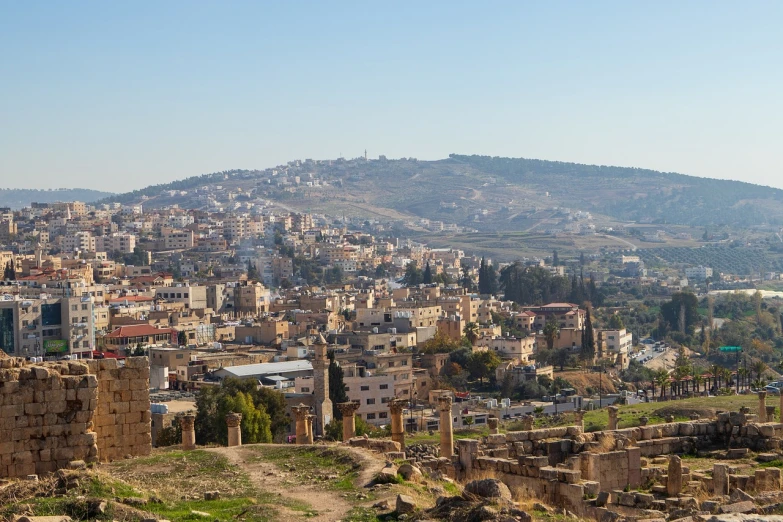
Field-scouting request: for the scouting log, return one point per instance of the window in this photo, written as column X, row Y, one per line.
column 84, row 306
column 370, row 401
column 370, row 416
column 347, row 389
column 305, row 390
column 180, row 356
column 35, row 309
column 384, row 400
column 405, row 362
column 391, row 364
column 365, row 388
column 74, row 307
column 384, row 387
column 24, row 323
column 383, row 415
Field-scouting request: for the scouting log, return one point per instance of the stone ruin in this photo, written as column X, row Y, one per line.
column 624, row 474
column 52, row 414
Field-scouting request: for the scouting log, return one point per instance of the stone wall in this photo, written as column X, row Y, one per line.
column 122, row 415
column 46, row 415
column 55, row 413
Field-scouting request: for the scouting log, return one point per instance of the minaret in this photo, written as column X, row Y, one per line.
column 323, row 404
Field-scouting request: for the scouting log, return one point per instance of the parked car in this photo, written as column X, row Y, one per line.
column 772, row 390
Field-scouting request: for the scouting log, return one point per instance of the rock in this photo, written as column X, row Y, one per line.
column 738, row 507
column 97, row 507
column 489, row 488
column 766, row 457
column 57, row 518
column 134, row 502
column 538, row 506
column 482, row 513
column 405, row 504
column 602, row 499
column 387, row 475
column 32, row 477
column 212, row 495
column 77, row 464
column 383, row 504
column 410, row 472
column 737, row 495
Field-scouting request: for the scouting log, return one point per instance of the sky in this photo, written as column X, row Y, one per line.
column 119, row 95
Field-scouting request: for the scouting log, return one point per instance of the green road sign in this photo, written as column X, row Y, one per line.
column 730, row 348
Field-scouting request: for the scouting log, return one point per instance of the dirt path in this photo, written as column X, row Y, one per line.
column 327, row 505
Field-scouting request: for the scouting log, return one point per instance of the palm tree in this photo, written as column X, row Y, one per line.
column 662, row 379
column 697, row 380
column 742, row 376
column 759, row 367
column 715, row 371
column 471, row 331
column 550, row 332
column 725, row 374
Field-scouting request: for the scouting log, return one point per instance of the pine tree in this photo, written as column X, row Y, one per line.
column 427, row 276
column 337, row 393
column 482, row 276
column 555, row 259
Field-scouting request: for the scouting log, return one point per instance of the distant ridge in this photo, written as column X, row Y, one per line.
column 488, row 193
column 18, row 198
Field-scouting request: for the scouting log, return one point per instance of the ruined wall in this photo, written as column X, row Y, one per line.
column 54, row 413
column 46, row 414
column 122, row 414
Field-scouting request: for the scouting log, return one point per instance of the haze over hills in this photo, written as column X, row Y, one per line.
column 485, row 193
column 18, row 198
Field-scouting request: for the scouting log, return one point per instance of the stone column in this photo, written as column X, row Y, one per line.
column 348, row 410
column 527, row 422
column 720, row 479
column 188, row 425
column 492, row 423
column 468, row 450
column 674, row 478
column 234, row 429
column 579, row 418
column 770, row 414
column 300, row 414
column 762, row 406
column 309, row 420
column 446, row 428
column 612, row 417
column 397, row 429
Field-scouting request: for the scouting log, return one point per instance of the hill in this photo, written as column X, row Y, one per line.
column 488, row 193
column 18, row 198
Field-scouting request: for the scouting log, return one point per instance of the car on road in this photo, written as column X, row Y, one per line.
column 772, row 390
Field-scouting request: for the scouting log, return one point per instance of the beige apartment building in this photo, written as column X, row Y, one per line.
column 372, row 391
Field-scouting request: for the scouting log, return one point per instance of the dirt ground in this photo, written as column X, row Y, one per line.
column 328, row 505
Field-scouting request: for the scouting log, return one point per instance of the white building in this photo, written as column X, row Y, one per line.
column 698, row 273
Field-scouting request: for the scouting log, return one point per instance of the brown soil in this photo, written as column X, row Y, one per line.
column 327, row 505
column 581, row 380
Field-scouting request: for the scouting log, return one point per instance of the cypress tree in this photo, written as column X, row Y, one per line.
column 337, row 392
column 427, row 276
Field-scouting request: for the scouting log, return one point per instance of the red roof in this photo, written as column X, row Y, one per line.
column 138, row 330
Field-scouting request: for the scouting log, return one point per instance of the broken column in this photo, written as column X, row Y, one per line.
column 468, row 451
column 397, row 429
column 720, row 479
column 233, row 420
column 188, row 425
column 762, row 406
column 300, row 415
column 579, row 418
column 446, row 429
column 674, row 478
column 770, row 414
column 492, row 424
column 348, row 411
column 309, row 421
column 612, row 417
column 527, row 422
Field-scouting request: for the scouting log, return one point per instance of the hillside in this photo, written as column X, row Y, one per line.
column 487, row 193
column 18, row 198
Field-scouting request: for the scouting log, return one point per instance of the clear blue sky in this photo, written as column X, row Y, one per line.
column 118, row 95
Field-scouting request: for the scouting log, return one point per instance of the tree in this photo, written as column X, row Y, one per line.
column 759, row 367
column 681, row 313
column 9, row 273
column 471, row 331
column 588, row 338
column 182, row 338
column 555, row 259
column 616, row 322
column 561, row 357
column 482, row 365
column 467, row 281
column 252, row 271
column 662, row 380
column 488, row 281
column 550, row 332
column 413, row 276
column 337, row 392
column 426, row 277
column 439, row 343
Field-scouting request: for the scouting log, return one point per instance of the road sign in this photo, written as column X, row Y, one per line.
column 730, row 348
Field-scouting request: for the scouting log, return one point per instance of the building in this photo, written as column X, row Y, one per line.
column 50, row 327
column 519, row 349
column 698, row 273
column 371, row 391
column 194, row 297
column 130, row 336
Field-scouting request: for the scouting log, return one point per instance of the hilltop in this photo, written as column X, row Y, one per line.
column 485, row 193
column 19, row 198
